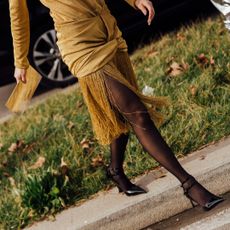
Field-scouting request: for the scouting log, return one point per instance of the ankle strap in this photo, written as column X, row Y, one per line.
column 115, row 171
column 188, row 183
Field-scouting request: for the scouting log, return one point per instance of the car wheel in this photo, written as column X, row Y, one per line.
column 46, row 59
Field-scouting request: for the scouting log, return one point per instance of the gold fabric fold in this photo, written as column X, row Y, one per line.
column 87, row 33
column 23, row 92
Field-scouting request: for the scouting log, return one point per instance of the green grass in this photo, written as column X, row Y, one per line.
column 199, row 114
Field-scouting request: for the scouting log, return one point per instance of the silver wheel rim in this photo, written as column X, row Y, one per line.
column 47, row 58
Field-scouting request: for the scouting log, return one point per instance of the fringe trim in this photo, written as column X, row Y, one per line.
column 106, row 121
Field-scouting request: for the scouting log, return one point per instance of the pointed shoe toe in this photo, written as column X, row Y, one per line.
column 133, row 190
column 211, row 204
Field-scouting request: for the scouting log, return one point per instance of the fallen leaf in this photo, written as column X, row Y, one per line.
column 13, row 147
column 70, row 125
column 6, row 174
column 185, row 65
column 58, row 117
column 97, row 161
column 29, row 148
column 175, row 70
column 12, row 182
column 193, row 90
column 180, row 37
column 212, row 61
column 151, row 53
column 85, row 143
column 202, row 59
column 4, row 163
column 202, row 157
column 20, row 143
column 38, row 164
column 64, row 167
column 31, row 213
column 1, row 145
column 108, row 187
column 162, row 175
column 147, row 69
column 79, row 104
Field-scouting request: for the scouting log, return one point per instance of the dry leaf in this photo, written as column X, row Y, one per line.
column 180, row 37
column 212, row 61
column 4, row 163
column 58, row 117
column 12, row 182
column 29, row 148
column 1, row 145
column 175, row 69
column 63, row 166
column 13, row 147
column 97, row 161
column 184, row 65
column 202, row 59
column 151, row 53
column 20, row 143
column 38, row 164
column 70, row 125
column 79, row 104
column 162, row 175
column 202, row 157
column 148, row 69
column 6, row 174
column 85, row 143
column 193, row 90
column 159, row 172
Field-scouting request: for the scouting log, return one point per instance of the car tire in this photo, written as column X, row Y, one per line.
column 45, row 57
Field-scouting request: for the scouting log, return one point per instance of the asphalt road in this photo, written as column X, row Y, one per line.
column 196, row 219
column 5, row 92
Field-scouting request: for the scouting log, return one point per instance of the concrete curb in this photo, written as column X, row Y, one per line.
column 110, row 210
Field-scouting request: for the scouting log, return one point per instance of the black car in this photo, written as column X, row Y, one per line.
column 44, row 54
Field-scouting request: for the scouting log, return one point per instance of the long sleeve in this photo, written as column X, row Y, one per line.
column 20, row 29
column 132, row 3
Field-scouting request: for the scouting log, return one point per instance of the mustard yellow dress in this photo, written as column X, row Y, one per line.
column 92, row 47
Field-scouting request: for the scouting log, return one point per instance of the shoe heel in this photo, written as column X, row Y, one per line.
column 193, row 204
column 119, row 189
column 191, row 200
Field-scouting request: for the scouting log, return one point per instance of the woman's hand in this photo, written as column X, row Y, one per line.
column 20, row 74
column 146, row 6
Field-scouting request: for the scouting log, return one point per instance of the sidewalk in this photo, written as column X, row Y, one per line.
column 110, row 210
column 5, row 114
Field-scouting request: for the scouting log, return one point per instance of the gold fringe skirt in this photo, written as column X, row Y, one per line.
column 106, row 120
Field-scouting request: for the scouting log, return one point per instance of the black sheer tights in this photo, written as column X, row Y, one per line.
column 133, row 110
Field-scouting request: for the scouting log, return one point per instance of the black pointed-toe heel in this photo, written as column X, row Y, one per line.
column 188, row 183
column 131, row 191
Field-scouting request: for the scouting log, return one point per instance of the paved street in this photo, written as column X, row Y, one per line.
column 40, row 95
column 197, row 219
column 5, row 92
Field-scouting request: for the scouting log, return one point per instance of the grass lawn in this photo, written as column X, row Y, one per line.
column 49, row 158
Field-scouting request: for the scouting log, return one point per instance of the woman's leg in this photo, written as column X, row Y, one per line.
column 118, row 147
column 133, row 110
